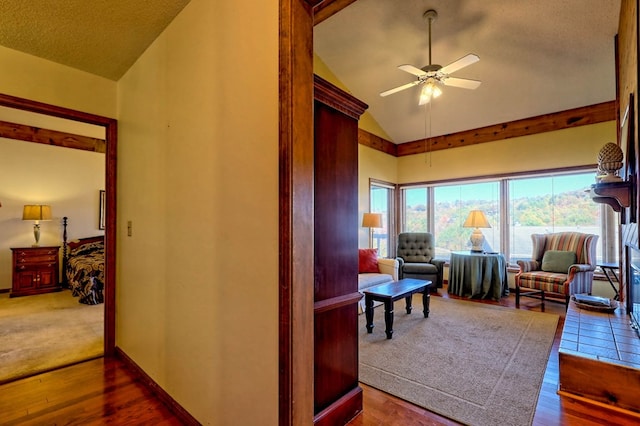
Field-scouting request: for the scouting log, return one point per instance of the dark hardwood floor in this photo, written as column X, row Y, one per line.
column 104, row 391
column 97, row 392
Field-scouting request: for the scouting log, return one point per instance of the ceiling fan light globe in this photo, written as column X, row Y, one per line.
column 429, row 91
column 424, row 98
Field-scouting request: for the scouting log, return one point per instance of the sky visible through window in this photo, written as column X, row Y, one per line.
column 526, row 188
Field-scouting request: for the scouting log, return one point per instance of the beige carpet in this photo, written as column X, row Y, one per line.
column 46, row 331
column 474, row 363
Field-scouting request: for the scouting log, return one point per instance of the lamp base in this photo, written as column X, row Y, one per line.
column 477, row 241
column 36, row 234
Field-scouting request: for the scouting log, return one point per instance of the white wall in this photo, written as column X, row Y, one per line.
column 197, row 290
column 30, row 77
column 32, row 173
column 69, row 180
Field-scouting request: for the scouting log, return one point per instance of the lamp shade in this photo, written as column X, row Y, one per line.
column 372, row 220
column 476, row 219
column 36, row 212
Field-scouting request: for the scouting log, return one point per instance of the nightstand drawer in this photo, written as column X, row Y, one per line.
column 37, row 258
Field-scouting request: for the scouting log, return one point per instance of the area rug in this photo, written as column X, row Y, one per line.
column 474, row 363
column 46, row 331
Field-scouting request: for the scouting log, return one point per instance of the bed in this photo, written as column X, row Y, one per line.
column 83, row 267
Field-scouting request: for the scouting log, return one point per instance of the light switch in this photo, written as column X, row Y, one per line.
column 129, row 228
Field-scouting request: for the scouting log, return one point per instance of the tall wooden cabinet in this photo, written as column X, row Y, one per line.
column 337, row 395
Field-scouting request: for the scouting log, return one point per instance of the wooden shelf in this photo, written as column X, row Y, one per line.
column 615, row 194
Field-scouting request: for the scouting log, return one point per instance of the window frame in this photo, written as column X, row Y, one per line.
column 608, row 222
column 391, row 213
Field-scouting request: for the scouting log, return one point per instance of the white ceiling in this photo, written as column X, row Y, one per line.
column 536, row 57
column 102, row 37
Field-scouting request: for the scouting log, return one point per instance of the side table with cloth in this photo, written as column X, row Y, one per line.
column 478, row 275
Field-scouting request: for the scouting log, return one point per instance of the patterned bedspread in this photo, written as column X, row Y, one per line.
column 85, row 272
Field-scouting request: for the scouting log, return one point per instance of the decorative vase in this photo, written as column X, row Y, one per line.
column 609, row 162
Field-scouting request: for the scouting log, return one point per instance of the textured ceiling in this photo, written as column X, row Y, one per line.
column 536, row 57
column 102, row 37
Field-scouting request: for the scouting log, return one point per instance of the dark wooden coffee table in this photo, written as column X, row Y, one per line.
column 389, row 293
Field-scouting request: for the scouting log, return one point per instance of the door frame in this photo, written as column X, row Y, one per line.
column 296, row 280
column 111, row 136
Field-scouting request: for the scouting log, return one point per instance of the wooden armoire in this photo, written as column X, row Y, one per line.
column 337, row 395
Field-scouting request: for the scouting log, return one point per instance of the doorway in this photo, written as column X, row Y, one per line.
column 110, row 139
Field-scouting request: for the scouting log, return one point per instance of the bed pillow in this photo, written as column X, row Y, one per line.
column 558, row 261
column 77, row 243
column 368, row 261
column 87, row 248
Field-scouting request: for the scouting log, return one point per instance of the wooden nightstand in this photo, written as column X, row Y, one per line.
column 35, row 270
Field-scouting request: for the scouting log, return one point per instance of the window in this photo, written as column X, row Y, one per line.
column 546, row 204
column 515, row 207
column 381, row 199
column 452, row 205
column 415, row 212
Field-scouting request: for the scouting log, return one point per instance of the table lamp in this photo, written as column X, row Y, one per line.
column 37, row 213
column 477, row 220
column 371, row 220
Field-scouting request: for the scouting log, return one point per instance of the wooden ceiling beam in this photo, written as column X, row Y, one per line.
column 328, row 8
column 376, row 142
column 51, row 137
column 592, row 114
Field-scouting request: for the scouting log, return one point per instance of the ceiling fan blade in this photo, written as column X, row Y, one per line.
column 399, row 88
column 460, row 63
column 412, row 70
column 464, row 83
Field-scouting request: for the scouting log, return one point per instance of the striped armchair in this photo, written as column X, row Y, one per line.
column 546, row 272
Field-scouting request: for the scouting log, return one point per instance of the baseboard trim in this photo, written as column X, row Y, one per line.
column 341, row 411
column 161, row 394
column 5, row 290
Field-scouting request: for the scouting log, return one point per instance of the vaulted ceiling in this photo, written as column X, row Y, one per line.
column 536, row 57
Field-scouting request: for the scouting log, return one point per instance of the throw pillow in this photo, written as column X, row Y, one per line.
column 368, row 261
column 558, row 261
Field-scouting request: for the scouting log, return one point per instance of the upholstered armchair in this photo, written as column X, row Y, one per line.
column 415, row 254
column 562, row 264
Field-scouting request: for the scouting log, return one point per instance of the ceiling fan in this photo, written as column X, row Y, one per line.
column 433, row 76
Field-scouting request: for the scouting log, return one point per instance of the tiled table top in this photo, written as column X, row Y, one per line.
column 607, row 337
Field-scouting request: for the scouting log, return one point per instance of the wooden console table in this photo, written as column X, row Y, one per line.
column 599, row 358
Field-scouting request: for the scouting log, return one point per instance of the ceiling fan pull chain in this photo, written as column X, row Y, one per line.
column 430, row 20
column 427, row 136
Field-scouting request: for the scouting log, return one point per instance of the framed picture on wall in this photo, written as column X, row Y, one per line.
column 101, row 218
